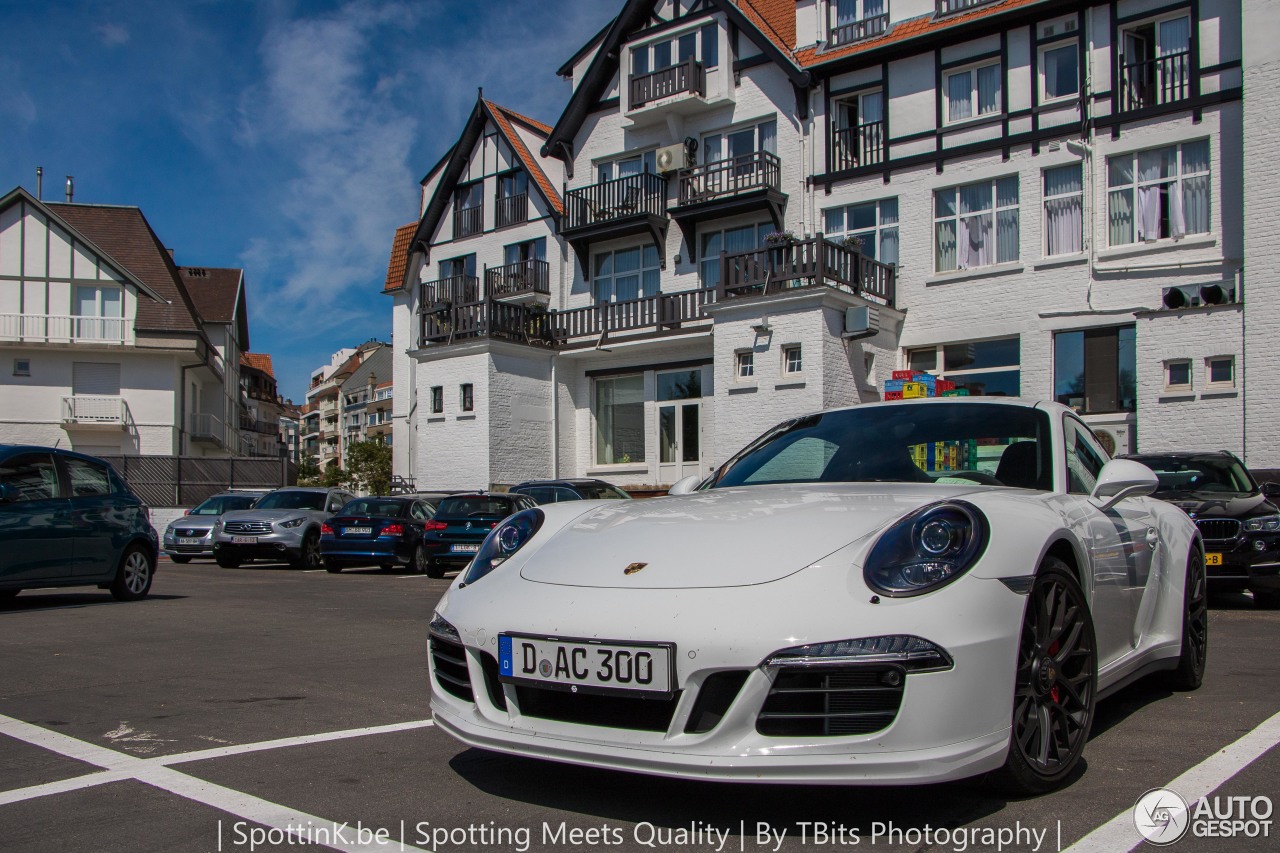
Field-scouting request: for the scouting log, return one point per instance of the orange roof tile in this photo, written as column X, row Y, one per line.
column 775, row 18
column 503, row 117
column 258, row 361
column 384, row 385
column 399, row 257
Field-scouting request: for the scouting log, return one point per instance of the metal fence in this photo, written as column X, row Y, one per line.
column 187, row 480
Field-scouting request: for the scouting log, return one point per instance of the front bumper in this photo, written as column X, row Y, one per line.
column 275, row 545
column 173, row 549
column 1244, row 565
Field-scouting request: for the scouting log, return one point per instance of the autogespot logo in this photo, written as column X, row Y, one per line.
column 1161, row 816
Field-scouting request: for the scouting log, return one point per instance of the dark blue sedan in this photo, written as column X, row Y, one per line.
column 67, row 519
column 384, row 532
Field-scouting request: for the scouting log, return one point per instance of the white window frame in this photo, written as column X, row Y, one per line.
column 1137, row 184
column 647, row 159
column 940, row 360
column 1044, row 209
column 1045, row 98
column 596, row 449
column 790, row 367
column 699, row 51
column 875, row 233
column 1220, row 385
column 994, row 212
column 1169, row 384
column 744, row 365
column 612, row 275
column 974, row 107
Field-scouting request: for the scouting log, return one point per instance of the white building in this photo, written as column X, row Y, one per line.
column 1021, row 196
column 105, row 346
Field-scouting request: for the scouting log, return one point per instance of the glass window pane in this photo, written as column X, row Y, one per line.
column 640, row 60
column 888, row 211
column 688, row 47
column 979, row 355
column 627, row 260
column 680, row 385
column 604, row 264
column 1061, row 71
column 1120, row 171
column 834, row 221
column 667, row 434
column 86, row 302
column 959, row 96
column 690, row 432
column 1195, row 204
column 769, row 136
column 710, row 46
column 1007, row 191
column 740, row 239
column 944, row 202
column 862, row 216
column 662, row 55
column 1120, row 217
column 988, row 89
column 1127, row 361
column 1007, row 236
column 1157, row 164
column 945, row 238
column 650, row 282
column 888, row 253
column 999, row 383
column 975, row 197
column 1062, row 180
column 1195, row 157
column 1068, row 369
column 620, row 420
column 650, row 256
column 924, row 359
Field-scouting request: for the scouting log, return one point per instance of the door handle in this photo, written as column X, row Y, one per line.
column 1153, row 536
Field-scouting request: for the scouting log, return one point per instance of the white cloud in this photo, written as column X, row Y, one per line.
column 111, row 34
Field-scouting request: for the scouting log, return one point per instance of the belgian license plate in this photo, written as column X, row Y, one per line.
column 1213, row 559
column 358, row 530
column 465, row 549
column 185, row 541
column 586, row 665
column 244, row 540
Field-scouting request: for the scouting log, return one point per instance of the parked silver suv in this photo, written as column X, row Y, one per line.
column 283, row 525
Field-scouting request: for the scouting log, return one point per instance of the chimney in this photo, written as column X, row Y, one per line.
column 71, row 189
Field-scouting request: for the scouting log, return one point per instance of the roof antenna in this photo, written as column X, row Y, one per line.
column 39, row 183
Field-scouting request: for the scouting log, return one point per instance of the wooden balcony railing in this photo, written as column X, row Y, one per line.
column 745, row 173
column 1153, row 82
column 661, row 311
column 453, row 289
column 467, row 221
column 947, row 7
column 852, row 147
column 512, row 210
column 689, row 76
column 867, row 28
column 520, row 278
column 621, row 198
column 804, row 263
column 486, row 318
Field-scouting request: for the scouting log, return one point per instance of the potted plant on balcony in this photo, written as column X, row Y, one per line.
column 780, row 238
column 854, row 243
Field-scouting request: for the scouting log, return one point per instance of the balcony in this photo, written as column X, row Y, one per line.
column 260, row 426
column 512, row 210
column 523, row 281
column 855, row 147
column 209, row 429
column 689, row 77
column 83, row 411
column 659, row 313
column 467, row 221
column 950, row 7
column 63, row 329
column 738, row 185
column 1155, row 82
column 854, row 31
column 485, row 318
column 816, row 262
column 635, row 204
column 450, row 290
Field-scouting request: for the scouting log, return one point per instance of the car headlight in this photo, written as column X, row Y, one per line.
column 502, row 542
column 442, row 628
column 292, row 523
column 927, row 549
column 1268, row 523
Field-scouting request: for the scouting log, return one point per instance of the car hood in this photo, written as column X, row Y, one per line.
column 721, row 537
column 272, row 515
column 1219, row 504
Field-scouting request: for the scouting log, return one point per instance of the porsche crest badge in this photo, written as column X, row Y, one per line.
column 633, row 568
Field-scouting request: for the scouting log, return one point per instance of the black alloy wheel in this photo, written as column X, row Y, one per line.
column 1055, row 684
column 421, row 563
column 310, row 559
column 1195, row 627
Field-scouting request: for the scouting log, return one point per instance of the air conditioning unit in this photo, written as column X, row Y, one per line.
column 861, row 322
column 672, row 157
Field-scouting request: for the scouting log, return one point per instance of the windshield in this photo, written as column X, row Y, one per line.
column 1199, row 474
column 983, row 443
column 373, row 507
column 476, row 506
column 600, row 491
column 219, row 504
column 292, row 500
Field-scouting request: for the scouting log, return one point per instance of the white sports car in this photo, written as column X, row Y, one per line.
column 894, row 593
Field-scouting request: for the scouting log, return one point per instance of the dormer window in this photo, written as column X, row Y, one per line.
column 468, row 210
column 856, row 20
column 513, row 199
column 674, row 65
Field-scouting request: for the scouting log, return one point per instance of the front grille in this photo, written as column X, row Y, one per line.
column 1218, row 528
column 615, row 712
column 190, row 533
column 247, row 527
column 450, row 661
column 714, row 698
column 831, row 701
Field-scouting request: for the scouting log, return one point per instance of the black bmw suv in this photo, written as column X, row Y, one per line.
column 1237, row 519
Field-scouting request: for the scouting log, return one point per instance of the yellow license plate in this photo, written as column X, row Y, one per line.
column 1213, row 559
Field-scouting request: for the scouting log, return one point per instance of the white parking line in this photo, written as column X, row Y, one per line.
column 155, row 772
column 1194, row 785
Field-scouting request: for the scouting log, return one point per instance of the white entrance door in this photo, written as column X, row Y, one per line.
column 679, row 440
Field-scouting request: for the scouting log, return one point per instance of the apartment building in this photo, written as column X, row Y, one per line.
column 360, row 399
column 110, row 347
column 261, row 407
column 1034, row 198
column 328, row 414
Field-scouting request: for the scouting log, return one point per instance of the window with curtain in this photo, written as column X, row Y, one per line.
column 626, row 274
column 99, row 310
column 732, row 240
column 619, row 412
column 728, row 144
column 976, row 225
column 635, row 164
column 702, row 44
column 875, row 223
column 1161, row 193
column 1064, row 210
column 972, row 92
column 1060, row 71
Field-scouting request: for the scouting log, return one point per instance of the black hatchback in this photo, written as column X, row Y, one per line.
column 1237, row 519
column 461, row 523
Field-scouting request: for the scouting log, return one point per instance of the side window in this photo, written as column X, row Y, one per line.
column 335, row 502
column 1084, row 459
column 539, row 494
column 88, row 479
column 33, row 475
column 562, row 494
column 418, row 512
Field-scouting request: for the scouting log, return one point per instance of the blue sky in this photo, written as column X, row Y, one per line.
column 287, row 138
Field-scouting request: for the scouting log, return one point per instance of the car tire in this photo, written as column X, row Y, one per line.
column 134, row 575
column 9, row 594
column 434, row 569
column 1195, row 627
column 421, row 564
column 228, row 562
column 1266, row 599
column 333, row 567
column 1055, row 685
column 309, row 559
column 386, row 567
column 179, row 560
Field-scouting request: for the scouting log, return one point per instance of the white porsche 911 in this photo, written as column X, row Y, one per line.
column 894, row 593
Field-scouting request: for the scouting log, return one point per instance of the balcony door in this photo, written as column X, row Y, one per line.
column 859, row 130
column 1156, row 66
column 679, row 425
column 736, row 147
column 99, row 313
column 458, row 280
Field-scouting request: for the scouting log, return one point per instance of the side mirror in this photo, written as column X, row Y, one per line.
column 9, row 493
column 1271, row 490
column 1120, row 479
column 685, row 486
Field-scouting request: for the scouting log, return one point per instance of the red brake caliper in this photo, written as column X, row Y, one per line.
column 1053, row 650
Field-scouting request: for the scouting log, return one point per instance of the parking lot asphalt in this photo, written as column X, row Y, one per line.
column 234, row 702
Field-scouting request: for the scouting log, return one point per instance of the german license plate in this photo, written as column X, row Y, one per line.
column 1213, row 559
column 244, row 540
column 465, row 549
column 586, row 665
column 186, row 541
column 358, row 530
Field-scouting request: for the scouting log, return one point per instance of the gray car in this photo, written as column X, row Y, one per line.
column 191, row 535
column 283, row 525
